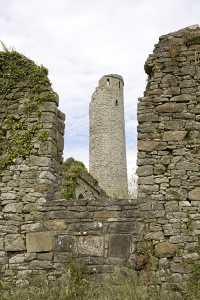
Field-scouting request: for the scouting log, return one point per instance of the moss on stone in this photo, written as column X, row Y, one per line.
column 193, row 40
column 72, row 169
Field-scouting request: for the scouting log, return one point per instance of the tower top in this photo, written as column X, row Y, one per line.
column 114, row 76
column 111, row 81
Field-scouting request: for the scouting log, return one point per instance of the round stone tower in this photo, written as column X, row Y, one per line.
column 107, row 136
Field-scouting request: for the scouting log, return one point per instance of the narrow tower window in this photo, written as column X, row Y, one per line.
column 116, row 102
column 108, row 82
column 119, row 84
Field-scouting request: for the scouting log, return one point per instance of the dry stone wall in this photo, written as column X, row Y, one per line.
column 97, row 233
column 31, row 146
column 169, row 152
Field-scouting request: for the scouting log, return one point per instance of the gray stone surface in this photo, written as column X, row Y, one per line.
column 40, row 241
column 168, row 115
column 107, row 157
column 14, row 242
column 165, row 249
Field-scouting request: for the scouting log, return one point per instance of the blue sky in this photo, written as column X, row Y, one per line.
column 79, row 41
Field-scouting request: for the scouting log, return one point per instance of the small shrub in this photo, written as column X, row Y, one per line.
column 72, row 169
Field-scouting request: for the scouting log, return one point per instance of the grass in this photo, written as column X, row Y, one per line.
column 73, row 285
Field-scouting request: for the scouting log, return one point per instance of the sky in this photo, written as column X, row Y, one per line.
column 79, row 41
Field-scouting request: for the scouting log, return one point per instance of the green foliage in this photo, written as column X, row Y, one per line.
column 77, row 286
column 72, row 169
column 189, row 224
column 21, row 78
column 70, row 285
column 73, row 284
column 43, row 135
column 95, row 181
column 193, row 40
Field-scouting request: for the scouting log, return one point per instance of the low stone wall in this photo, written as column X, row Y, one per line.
column 100, row 234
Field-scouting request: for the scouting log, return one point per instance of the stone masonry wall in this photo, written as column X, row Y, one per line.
column 169, row 152
column 98, row 233
column 31, row 146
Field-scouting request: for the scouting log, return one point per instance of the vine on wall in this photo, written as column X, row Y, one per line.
column 23, row 87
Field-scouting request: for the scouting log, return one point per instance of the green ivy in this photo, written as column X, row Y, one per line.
column 21, row 78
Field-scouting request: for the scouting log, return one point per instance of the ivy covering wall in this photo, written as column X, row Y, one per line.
column 23, row 87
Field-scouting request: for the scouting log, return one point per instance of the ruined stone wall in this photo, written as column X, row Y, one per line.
column 100, row 234
column 159, row 231
column 169, row 152
column 107, row 136
column 31, row 146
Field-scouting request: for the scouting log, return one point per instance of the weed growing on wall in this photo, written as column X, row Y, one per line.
column 132, row 188
column 72, row 284
column 23, row 87
column 72, row 169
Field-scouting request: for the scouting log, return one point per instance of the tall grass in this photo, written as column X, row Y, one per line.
column 73, row 285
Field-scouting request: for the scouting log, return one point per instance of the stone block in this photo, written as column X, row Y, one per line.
column 151, row 145
column 106, row 214
column 159, row 169
column 145, row 170
column 171, row 107
column 13, row 207
column 174, row 135
column 14, row 242
column 48, row 117
column 188, row 83
column 119, row 245
column 154, row 236
column 40, row 264
column 181, row 239
column 30, row 207
column 175, row 182
column 48, row 108
column 165, row 249
column 122, row 227
column 175, row 90
column 46, row 176
column 146, row 206
column 66, row 243
column 146, row 180
column 149, row 188
column 179, row 268
column 40, row 241
column 194, row 194
column 48, row 148
column 55, row 224
column 60, row 142
column 8, row 196
column 41, row 161
column 91, row 245
column 45, row 256
column 17, row 259
column 31, row 227
column 176, row 194
column 165, row 160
